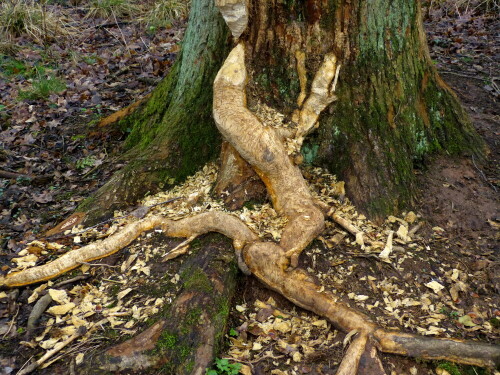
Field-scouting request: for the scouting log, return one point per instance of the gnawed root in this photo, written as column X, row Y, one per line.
column 350, row 362
column 189, row 227
column 263, row 148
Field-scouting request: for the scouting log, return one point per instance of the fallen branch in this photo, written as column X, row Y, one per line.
column 40, row 306
column 13, row 175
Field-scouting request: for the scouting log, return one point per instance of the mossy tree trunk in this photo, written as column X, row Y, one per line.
column 393, row 109
column 172, row 134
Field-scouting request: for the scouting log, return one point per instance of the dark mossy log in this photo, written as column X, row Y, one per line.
column 188, row 332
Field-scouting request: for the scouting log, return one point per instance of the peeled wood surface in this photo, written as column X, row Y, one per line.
column 263, row 148
column 197, row 225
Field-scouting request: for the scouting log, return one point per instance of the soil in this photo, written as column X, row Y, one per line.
column 458, row 205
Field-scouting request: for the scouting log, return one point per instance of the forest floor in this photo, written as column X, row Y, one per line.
column 446, row 282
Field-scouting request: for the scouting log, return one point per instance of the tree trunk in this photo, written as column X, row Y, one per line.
column 393, row 110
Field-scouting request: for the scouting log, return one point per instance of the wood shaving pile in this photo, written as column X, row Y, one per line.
column 269, row 333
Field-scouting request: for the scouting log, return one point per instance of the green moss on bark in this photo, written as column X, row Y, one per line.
column 172, row 134
column 202, row 306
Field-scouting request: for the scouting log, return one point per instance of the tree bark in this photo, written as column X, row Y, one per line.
column 393, row 111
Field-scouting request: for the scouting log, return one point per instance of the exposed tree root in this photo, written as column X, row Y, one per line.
column 263, row 148
column 188, row 227
column 350, row 362
column 182, row 341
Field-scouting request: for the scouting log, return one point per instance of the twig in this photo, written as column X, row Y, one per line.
column 72, row 280
column 256, row 360
column 133, row 213
column 180, row 249
column 11, row 175
column 460, row 75
column 72, row 367
column 482, row 174
column 415, row 229
column 11, row 324
column 44, row 302
column 114, row 281
column 121, row 32
column 113, row 24
column 351, row 228
column 375, row 257
column 25, row 363
column 98, row 264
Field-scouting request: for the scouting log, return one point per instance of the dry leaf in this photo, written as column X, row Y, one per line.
column 466, row 320
column 402, row 233
column 435, row 286
column 59, row 296
column 123, row 293
column 257, row 346
column 410, row 217
column 320, row 323
column 79, row 358
column 240, row 308
column 49, row 344
column 442, row 371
